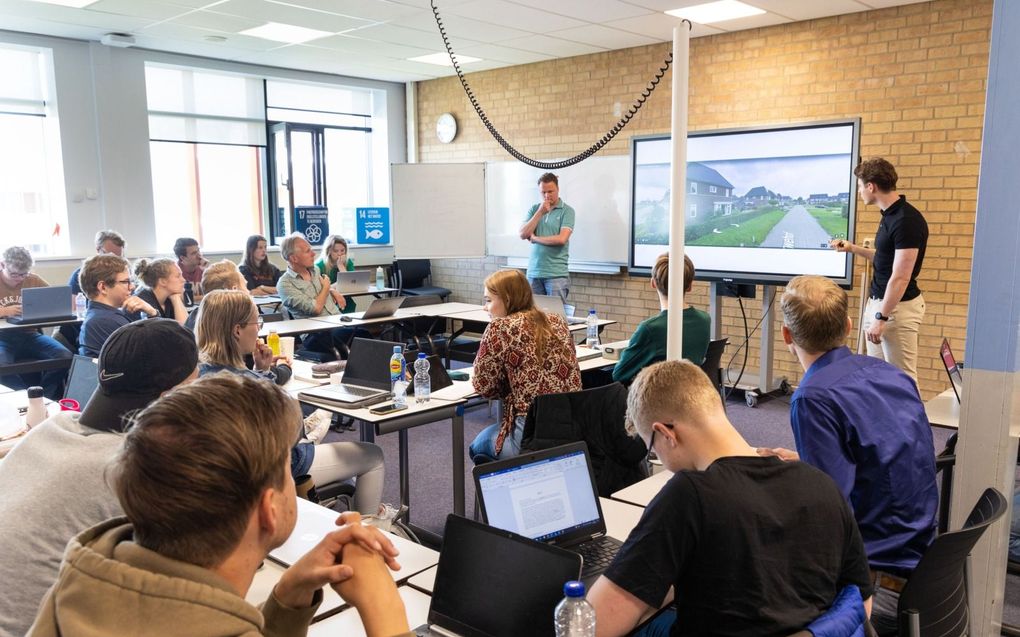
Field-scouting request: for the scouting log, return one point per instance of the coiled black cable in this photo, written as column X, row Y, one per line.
column 544, row 165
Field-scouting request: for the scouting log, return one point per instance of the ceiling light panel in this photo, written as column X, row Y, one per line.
column 712, row 12
column 442, row 59
column 289, row 33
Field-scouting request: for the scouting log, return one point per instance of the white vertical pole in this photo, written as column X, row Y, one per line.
column 678, row 191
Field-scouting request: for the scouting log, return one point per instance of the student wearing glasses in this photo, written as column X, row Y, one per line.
column 26, row 345
column 106, row 280
column 228, row 330
column 260, row 275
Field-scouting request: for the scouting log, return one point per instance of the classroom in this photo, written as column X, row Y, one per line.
column 162, row 119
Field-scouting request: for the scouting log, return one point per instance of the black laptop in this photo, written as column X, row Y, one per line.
column 549, row 496
column 494, row 583
column 952, row 368
column 44, row 305
column 82, row 379
column 366, row 379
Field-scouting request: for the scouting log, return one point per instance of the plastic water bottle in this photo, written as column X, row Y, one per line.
column 574, row 616
column 80, row 305
column 398, row 383
column 422, row 382
column 380, row 278
column 592, row 339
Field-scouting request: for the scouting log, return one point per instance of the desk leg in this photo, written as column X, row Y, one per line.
column 405, row 470
column 457, row 432
column 367, row 431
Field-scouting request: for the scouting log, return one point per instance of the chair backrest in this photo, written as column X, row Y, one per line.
column 417, row 301
column 272, row 317
column 713, row 361
column 412, row 273
column 937, row 588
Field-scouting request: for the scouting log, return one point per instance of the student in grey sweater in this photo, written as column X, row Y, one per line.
column 54, row 482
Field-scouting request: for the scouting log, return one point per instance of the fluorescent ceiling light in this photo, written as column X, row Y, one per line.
column 77, row 4
column 288, row 33
column 443, row 59
column 716, row 11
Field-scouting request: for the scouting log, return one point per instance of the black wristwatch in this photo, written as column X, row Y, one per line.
column 881, row 317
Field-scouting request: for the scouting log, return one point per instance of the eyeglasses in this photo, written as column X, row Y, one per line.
column 127, row 282
column 259, row 321
column 17, row 275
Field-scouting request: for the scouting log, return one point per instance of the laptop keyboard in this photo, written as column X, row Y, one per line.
column 598, row 554
column 362, row 392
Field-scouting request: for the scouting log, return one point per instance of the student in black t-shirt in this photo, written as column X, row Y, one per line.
column 895, row 308
column 738, row 544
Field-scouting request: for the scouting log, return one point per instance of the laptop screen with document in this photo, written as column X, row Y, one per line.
column 952, row 368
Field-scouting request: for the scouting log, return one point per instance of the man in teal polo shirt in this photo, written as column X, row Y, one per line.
column 548, row 228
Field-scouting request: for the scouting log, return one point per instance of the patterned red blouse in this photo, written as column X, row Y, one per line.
column 508, row 368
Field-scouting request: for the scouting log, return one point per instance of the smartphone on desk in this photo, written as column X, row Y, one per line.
column 389, row 408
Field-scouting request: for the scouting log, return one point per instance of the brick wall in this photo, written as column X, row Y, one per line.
column 914, row 74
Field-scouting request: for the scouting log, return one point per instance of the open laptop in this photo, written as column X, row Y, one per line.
column 549, row 496
column 554, row 305
column 439, row 377
column 380, row 308
column 355, row 281
column 494, row 583
column 44, row 305
column 952, row 368
column 82, row 379
column 366, row 379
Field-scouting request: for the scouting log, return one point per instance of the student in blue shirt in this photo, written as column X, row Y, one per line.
column 106, row 280
column 861, row 421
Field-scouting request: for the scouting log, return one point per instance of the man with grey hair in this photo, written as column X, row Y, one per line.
column 307, row 294
column 737, row 543
column 107, row 242
column 26, row 344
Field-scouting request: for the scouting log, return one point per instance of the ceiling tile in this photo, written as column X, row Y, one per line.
column 594, row 12
column 369, row 47
column 411, row 37
column 514, row 15
column 270, row 12
column 139, row 8
column 460, row 27
column 808, row 9
column 216, row 21
column 751, row 22
column 374, row 10
column 605, row 37
column 497, row 53
column 659, row 26
column 556, row 47
column 169, row 31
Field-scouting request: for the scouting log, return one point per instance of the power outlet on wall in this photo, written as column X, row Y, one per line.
column 867, row 242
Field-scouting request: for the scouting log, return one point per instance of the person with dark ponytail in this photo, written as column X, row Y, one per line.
column 162, row 287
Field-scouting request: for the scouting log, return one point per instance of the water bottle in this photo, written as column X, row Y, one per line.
column 80, row 305
column 398, row 383
column 592, row 339
column 574, row 615
column 380, row 278
column 273, row 341
column 422, row 382
column 36, row 409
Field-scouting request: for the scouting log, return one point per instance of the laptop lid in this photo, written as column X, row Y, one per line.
column 493, row 583
column 354, row 281
column 46, row 303
column 952, row 369
column 439, row 377
column 368, row 364
column 550, row 304
column 82, row 379
column 547, row 495
column 381, row 308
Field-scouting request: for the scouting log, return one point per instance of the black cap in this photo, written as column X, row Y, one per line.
column 139, row 362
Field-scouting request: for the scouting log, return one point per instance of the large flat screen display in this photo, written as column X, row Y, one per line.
column 761, row 204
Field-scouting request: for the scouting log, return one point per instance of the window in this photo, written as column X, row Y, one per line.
column 713, row 189
column 694, row 187
column 694, row 210
column 207, row 145
column 32, row 197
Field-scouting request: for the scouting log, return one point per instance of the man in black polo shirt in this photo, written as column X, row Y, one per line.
column 895, row 309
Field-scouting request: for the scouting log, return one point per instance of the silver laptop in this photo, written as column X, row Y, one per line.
column 549, row 496
column 380, row 308
column 366, row 379
column 554, row 305
column 350, row 282
column 44, row 305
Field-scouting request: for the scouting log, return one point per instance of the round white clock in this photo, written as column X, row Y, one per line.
column 446, row 128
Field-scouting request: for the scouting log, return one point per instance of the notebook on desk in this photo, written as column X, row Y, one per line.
column 380, row 308
column 554, row 305
column 494, row 583
column 44, row 305
column 952, row 368
column 366, row 379
column 549, row 496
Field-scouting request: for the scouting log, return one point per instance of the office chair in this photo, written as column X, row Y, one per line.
column 713, row 365
column 413, row 277
column 427, row 328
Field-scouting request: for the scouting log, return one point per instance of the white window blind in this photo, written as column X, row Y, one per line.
column 23, row 88
column 321, row 98
column 196, row 105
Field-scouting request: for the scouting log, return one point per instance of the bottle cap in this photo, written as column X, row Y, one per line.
column 591, row 311
column 35, row 392
column 573, row 589
column 422, row 355
column 397, row 349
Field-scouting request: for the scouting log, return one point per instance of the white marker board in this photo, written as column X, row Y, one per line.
column 438, row 210
column 598, row 189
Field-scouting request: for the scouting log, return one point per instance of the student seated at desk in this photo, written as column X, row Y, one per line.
column 22, row 345
column 648, row 345
column 260, row 275
column 107, row 242
column 747, row 545
column 332, row 261
column 228, row 330
column 54, row 481
column 162, row 287
column 106, row 280
column 206, row 499
column 192, row 263
column 222, row 275
column 524, row 353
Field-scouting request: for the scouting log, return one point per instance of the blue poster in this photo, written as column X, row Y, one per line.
column 313, row 222
column 373, row 225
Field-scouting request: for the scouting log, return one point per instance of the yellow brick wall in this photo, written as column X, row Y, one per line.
column 914, row 74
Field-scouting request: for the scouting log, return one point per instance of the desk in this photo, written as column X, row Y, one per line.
column 348, row 622
column 944, row 410
column 18, row 399
column 642, row 492
column 295, row 326
column 33, row 366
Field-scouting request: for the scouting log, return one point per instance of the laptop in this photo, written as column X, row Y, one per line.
column 549, row 496
column 366, row 379
column 952, row 368
column 494, row 583
column 380, row 308
column 82, row 379
column 554, row 305
column 44, row 305
column 355, row 281
column 439, row 377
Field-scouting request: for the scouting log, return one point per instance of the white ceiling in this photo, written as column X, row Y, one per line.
column 373, row 38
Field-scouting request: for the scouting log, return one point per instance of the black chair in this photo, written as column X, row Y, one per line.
column 934, row 598
column 713, row 365
column 413, row 277
column 425, row 328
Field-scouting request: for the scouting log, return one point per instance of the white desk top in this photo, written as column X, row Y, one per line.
column 294, row 326
column 4, row 325
column 643, row 492
column 267, row 577
column 944, row 410
column 337, row 319
column 442, row 402
column 444, row 309
column 348, row 623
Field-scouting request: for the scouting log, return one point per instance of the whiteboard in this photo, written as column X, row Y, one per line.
column 598, row 189
column 438, row 210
